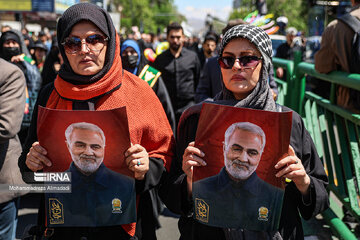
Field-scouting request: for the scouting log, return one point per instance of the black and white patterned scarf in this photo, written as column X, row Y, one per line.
column 261, row 97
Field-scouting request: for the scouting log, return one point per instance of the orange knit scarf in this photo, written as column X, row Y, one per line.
column 148, row 125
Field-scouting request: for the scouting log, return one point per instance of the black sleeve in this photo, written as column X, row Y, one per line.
column 48, row 74
column 279, row 51
column 43, row 96
column 152, row 177
column 163, row 95
column 173, row 190
column 197, row 71
column 157, row 64
column 203, row 90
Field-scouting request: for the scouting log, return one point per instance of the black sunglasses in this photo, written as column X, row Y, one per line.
column 245, row 61
column 94, row 42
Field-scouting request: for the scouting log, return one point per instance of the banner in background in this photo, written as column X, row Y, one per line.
column 29, row 5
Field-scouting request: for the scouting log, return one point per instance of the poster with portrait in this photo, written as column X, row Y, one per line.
column 238, row 187
column 90, row 145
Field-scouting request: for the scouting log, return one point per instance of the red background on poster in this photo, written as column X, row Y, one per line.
column 51, row 128
column 215, row 119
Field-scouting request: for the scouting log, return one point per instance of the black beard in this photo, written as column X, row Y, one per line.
column 175, row 47
column 208, row 52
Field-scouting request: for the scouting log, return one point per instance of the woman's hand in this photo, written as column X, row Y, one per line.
column 18, row 58
column 36, row 158
column 343, row 97
column 291, row 167
column 137, row 159
column 191, row 157
column 279, row 72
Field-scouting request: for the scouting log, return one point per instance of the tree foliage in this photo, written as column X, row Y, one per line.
column 148, row 15
column 295, row 10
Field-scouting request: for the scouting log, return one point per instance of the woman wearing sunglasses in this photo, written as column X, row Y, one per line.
column 92, row 78
column 245, row 58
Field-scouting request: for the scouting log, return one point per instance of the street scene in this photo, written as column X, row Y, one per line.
column 169, row 119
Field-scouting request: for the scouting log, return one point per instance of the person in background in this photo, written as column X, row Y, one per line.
column 92, row 78
column 287, row 50
column 335, row 55
column 42, row 37
column 14, row 50
column 282, row 22
column 207, row 50
column 12, row 104
column 52, row 64
column 39, row 55
column 193, row 43
column 5, row 28
column 154, row 39
column 24, row 31
column 29, row 43
column 133, row 60
column 180, row 69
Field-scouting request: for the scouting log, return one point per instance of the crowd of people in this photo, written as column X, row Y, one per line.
column 87, row 65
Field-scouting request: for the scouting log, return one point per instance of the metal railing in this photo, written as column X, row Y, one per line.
column 336, row 134
column 284, row 85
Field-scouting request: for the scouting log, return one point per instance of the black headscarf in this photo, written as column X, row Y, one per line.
column 17, row 37
column 261, row 96
column 48, row 73
column 31, row 42
column 10, row 35
column 100, row 18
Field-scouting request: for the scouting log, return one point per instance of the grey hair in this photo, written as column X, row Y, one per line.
column 291, row 31
column 84, row 126
column 246, row 126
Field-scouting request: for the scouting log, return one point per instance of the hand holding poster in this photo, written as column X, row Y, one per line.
column 90, row 145
column 238, row 187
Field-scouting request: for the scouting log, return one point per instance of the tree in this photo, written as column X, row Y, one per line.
column 148, row 15
column 295, row 10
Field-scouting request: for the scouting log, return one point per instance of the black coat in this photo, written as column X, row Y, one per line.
column 174, row 190
column 215, row 194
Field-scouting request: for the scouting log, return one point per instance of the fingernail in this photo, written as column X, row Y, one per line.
column 204, row 163
column 49, row 164
column 276, row 166
column 202, row 154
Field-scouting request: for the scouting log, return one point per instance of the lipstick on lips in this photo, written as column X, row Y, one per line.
column 238, row 77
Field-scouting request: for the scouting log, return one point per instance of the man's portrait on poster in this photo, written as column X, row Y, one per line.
column 236, row 197
column 99, row 195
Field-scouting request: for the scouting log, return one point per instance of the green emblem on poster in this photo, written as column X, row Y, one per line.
column 150, row 75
